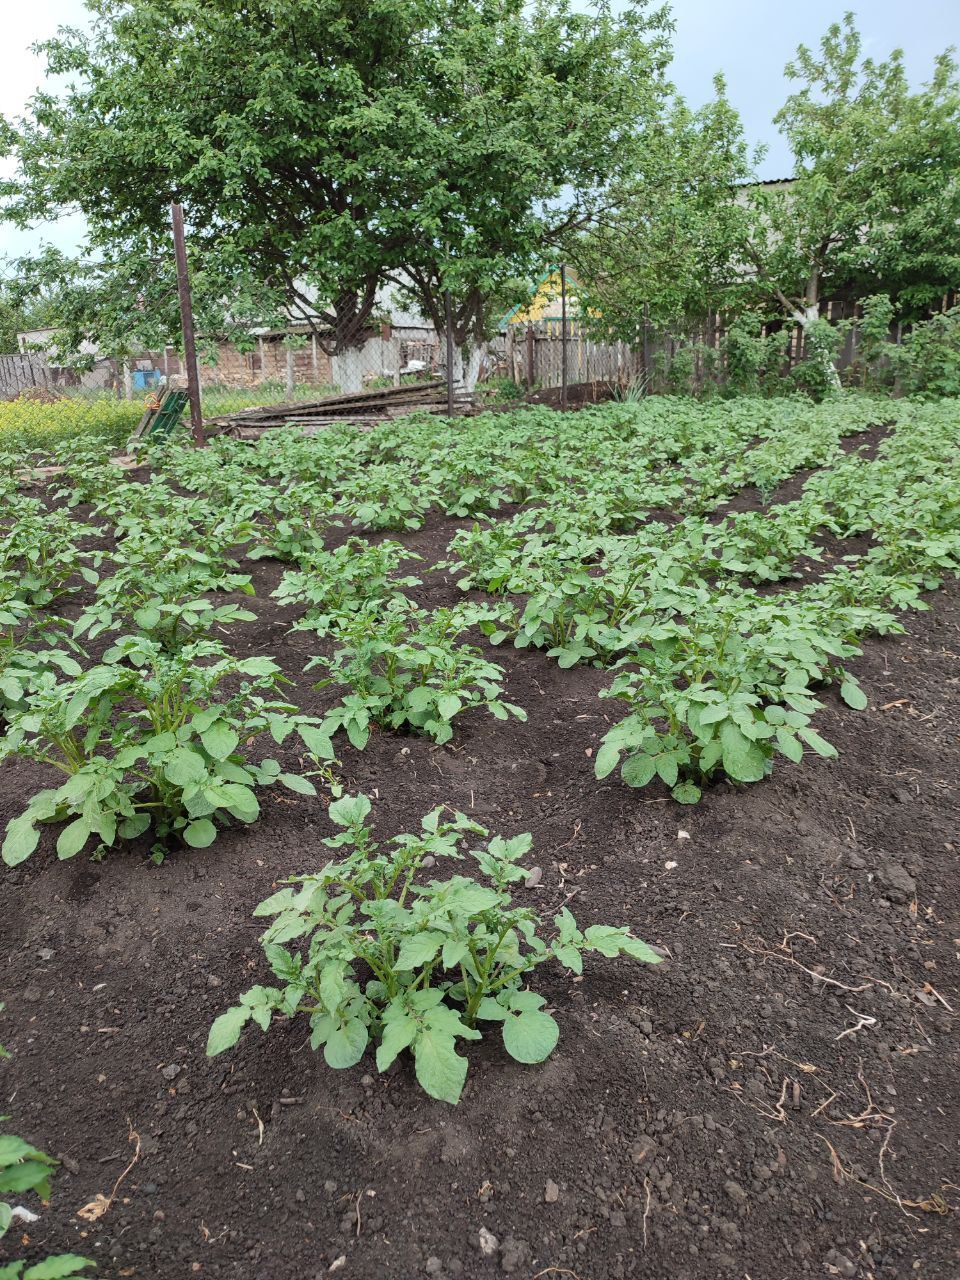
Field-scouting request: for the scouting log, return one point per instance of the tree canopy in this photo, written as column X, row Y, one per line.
column 872, row 205
column 875, row 200
column 671, row 244
column 323, row 148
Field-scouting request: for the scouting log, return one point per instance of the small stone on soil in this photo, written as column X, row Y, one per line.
column 514, row 1253
column 489, row 1244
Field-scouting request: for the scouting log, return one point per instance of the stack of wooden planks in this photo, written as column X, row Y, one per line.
column 359, row 408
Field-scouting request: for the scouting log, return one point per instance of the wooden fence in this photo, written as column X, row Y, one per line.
column 19, row 372
column 534, row 352
column 534, row 356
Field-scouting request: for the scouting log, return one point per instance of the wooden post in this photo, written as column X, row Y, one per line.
column 563, row 336
column 530, row 356
column 291, row 380
column 448, row 321
column 647, row 371
column 186, row 321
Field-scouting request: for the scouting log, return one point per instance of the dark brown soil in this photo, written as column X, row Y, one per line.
column 579, row 394
column 780, row 1100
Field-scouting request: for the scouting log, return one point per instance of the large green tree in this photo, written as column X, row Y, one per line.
column 874, row 205
column 322, row 147
column 536, row 112
column 671, row 245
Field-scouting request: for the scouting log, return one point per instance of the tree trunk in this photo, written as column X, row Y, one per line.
column 807, row 316
column 346, row 370
column 466, row 365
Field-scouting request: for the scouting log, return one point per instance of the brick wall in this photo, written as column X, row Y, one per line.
column 266, row 362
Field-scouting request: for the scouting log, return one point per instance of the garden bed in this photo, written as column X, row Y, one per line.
column 779, row 1099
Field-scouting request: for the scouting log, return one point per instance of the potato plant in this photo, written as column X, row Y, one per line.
column 164, row 587
column 335, row 585
column 383, row 956
column 153, row 742
column 289, row 522
column 723, row 695
column 40, row 557
column 404, row 669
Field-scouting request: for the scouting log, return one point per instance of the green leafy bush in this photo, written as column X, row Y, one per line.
column 403, row 669
column 927, row 362
column 816, row 373
column 150, row 741
column 403, row 963
column 753, row 360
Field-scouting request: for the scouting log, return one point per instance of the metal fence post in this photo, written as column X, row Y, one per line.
column 647, row 371
column 291, row 381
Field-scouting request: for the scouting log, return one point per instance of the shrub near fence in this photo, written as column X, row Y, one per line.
column 30, row 425
column 745, row 355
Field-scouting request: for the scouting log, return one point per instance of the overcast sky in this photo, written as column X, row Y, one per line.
column 749, row 40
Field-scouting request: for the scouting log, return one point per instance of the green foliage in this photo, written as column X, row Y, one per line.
column 390, row 959
column 671, row 243
column 816, row 374
column 163, row 590
column 403, row 669
column 21, row 664
column 580, row 571
column 27, row 425
column 726, row 691
column 872, row 205
column 22, row 1168
column 40, row 559
column 337, row 584
column 149, row 741
column 431, row 139
column 874, row 200
column 873, row 366
column 55, row 1268
column 752, row 360
column 291, row 527
column 927, row 362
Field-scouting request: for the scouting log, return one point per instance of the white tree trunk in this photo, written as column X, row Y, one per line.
column 466, row 365
column 806, row 317
column 346, row 370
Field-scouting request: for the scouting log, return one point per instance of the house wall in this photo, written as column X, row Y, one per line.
column 265, row 362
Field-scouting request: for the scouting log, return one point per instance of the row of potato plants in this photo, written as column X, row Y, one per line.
column 720, row 664
column 716, row 675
